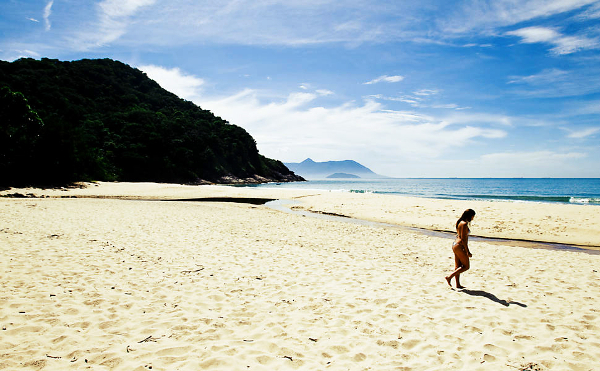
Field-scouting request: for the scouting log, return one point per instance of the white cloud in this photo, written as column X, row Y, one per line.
column 572, row 44
column 535, row 34
column 25, row 54
column 324, row 92
column 265, row 22
column 385, row 78
column 547, row 76
column 588, row 108
column 446, row 106
column 174, row 80
column 593, row 12
column 554, row 82
column 420, row 99
column 562, row 44
column 47, row 13
column 487, row 15
column 114, row 18
column 297, row 127
column 307, row 22
column 426, row 92
column 122, row 8
column 583, row 133
column 310, row 22
column 462, row 118
column 115, row 15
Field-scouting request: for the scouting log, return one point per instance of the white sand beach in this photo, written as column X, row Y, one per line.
column 105, row 281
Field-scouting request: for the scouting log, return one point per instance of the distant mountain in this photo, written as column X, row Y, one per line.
column 310, row 169
column 343, row 176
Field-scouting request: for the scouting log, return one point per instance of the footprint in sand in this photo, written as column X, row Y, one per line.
column 339, row 349
column 392, row 343
column 112, row 363
column 264, row 360
column 409, row 344
column 359, row 357
column 488, row 358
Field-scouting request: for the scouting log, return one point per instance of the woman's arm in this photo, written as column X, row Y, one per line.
column 463, row 234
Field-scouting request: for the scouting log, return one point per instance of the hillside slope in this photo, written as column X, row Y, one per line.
column 104, row 120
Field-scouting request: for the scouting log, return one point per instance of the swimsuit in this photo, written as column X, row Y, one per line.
column 458, row 243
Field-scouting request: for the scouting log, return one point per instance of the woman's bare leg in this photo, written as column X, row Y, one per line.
column 461, row 260
column 457, row 265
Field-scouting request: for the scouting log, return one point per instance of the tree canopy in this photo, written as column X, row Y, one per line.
column 104, row 120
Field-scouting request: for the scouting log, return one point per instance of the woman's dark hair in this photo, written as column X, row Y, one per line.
column 467, row 216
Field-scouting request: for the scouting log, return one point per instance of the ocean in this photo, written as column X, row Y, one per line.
column 582, row 191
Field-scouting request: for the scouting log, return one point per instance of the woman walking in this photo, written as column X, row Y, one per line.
column 461, row 247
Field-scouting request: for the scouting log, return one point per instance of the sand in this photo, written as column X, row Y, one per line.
column 102, row 284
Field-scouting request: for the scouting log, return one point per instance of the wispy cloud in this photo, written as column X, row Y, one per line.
column 548, row 76
column 420, row 99
column 365, row 131
column 47, row 13
column 488, row 15
column 324, row 92
column 298, row 125
column 593, row 12
column 115, row 15
column 385, row 78
column 554, row 82
column 588, row 108
column 174, row 80
column 426, row 92
column 295, row 23
column 582, row 133
column 113, row 20
column 122, row 8
column 562, row 44
column 314, row 22
column 25, row 53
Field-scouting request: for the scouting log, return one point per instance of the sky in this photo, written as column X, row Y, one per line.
column 428, row 88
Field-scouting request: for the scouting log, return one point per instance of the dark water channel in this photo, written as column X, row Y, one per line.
column 283, row 205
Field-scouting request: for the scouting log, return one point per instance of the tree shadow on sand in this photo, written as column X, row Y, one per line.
column 492, row 297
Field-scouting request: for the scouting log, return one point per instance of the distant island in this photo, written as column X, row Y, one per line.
column 342, row 176
column 104, row 120
column 310, row 169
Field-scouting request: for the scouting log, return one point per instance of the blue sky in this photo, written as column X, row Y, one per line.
column 502, row 88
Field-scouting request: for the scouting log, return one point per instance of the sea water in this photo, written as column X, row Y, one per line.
column 584, row 191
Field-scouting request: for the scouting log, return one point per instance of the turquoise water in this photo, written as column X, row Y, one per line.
column 585, row 191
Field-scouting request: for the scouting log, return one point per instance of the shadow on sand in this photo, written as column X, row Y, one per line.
column 492, row 297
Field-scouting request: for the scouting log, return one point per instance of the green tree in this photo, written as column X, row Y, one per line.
column 103, row 120
column 20, row 128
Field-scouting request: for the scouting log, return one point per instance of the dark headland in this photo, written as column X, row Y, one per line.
column 104, row 120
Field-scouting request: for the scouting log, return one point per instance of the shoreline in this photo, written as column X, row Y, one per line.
column 590, row 249
column 546, row 223
column 531, row 190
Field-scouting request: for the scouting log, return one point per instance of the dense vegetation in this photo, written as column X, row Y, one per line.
column 103, row 120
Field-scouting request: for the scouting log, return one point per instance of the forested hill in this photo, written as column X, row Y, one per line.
column 104, row 120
